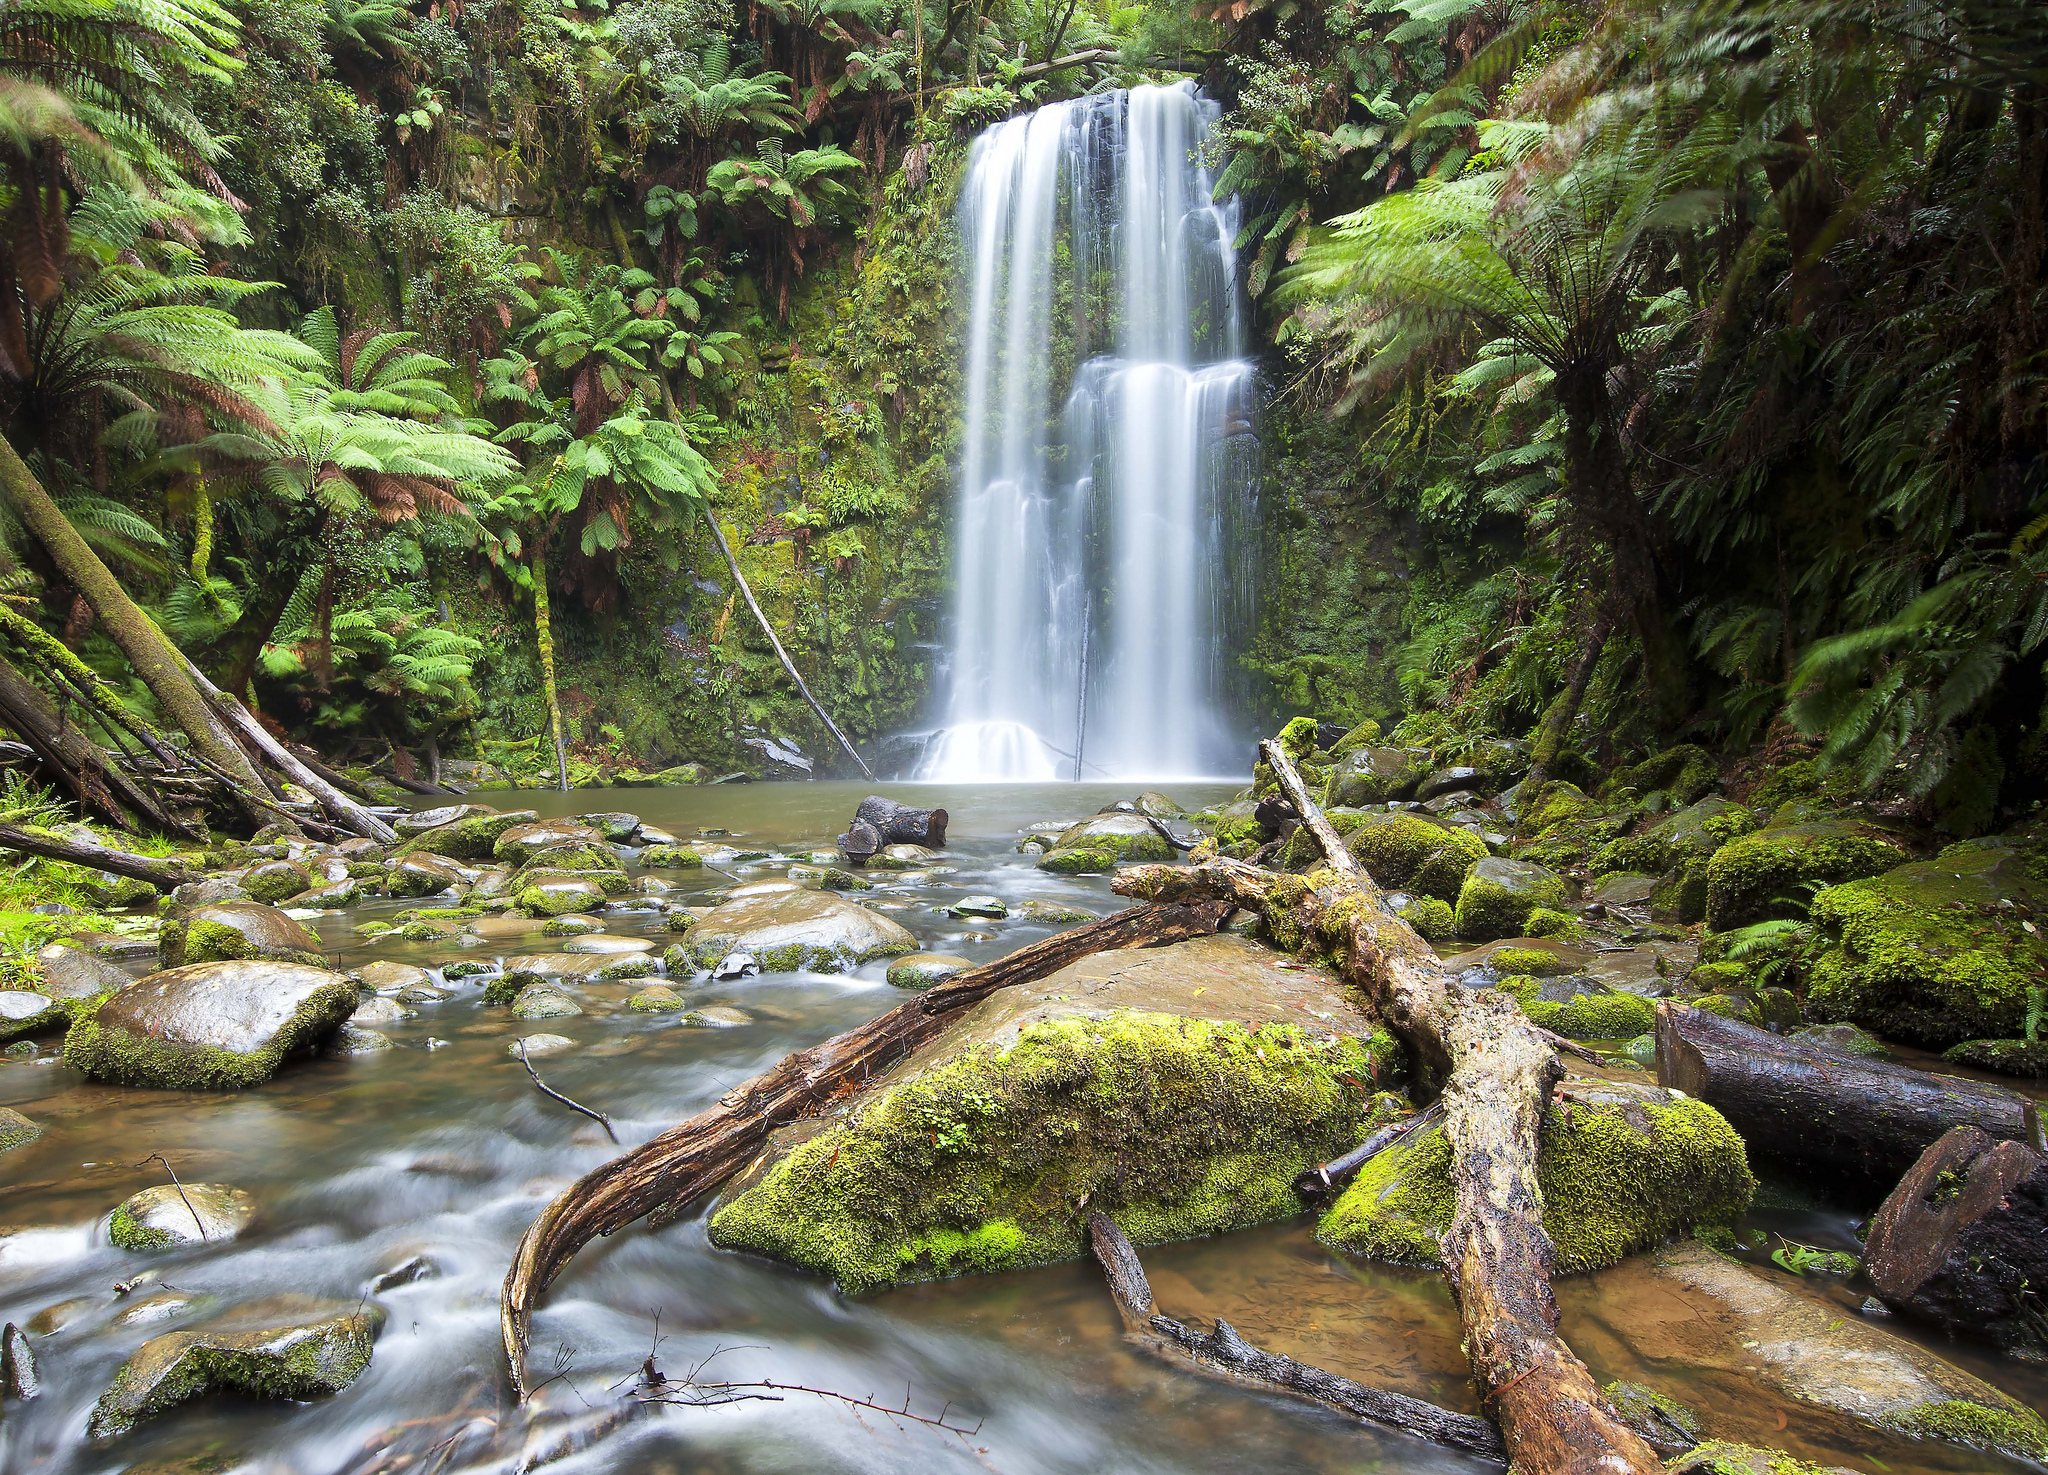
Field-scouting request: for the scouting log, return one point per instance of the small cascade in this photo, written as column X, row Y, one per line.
column 1106, row 517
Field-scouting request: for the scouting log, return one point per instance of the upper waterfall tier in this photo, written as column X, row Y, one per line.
column 1105, row 525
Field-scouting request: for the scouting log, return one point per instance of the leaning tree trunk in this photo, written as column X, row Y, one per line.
column 1497, row 1071
column 133, row 631
column 79, row 762
column 1564, row 711
column 544, row 636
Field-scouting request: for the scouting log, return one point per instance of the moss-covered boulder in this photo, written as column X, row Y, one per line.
column 25, row 1012
column 789, row 930
column 1105, row 1085
column 171, row 1214
column 1934, row 952
column 274, row 881
column 1623, row 1167
column 922, row 970
column 1760, row 875
column 422, row 874
column 1078, row 860
column 1368, row 775
column 1432, row 918
column 420, row 821
column 473, row 837
column 1719, row 1457
column 1414, row 852
column 209, row 1025
column 16, row 1130
column 1680, row 776
column 1238, row 830
column 1499, row 896
column 671, row 857
column 2025, row 1058
column 1127, row 836
column 234, row 930
column 1678, row 850
column 286, row 1348
column 546, row 893
column 520, row 843
column 1579, row 1008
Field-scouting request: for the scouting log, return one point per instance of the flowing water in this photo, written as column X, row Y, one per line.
column 1110, row 464
column 441, row 1148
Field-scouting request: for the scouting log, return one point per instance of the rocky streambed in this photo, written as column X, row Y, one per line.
column 317, row 1290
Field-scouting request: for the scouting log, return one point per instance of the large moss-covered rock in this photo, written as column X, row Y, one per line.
column 1579, row 1008
column 1126, row 836
column 1238, row 830
column 209, row 1025
column 275, row 880
column 1368, row 775
column 785, row 931
column 519, row 843
column 1499, row 896
column 422, row 873
column 1414, row 852
column 1928, row 952
column 1678, row 849
column 1681, row 775
column 1623, row 1167
column 1759, row 875
column 285, row 1348
column 232, row 930
column 472, row 837
column 1103, row 1085
column 1078, row 860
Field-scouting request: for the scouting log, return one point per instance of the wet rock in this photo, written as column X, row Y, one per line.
column 534, row 1045
column 19, row 1378
column 1622, row 889
column 544, row 1002
column 1962, row 1241
column 635, row 965
column 1580, row 1008
column 979, row 906
column 1128, row 836
column 492, row 882
column 203, row 893
column 655, row 835
column 1455, row 799
column 353, row 1039
column 389, row 978
column 1159, row 806
column 831, row 878
column 2006, row 1057
column 72, row 973
column 54, row 1318
column 1049, row 913
column 334, row 896
column 1846, row 1038
column 170, row 1215
column 922, row 970
column 1718, row 1457
column 464, row 968
column 209, row 1025
column 558, row 965
column 405, row 1272
column 672, row 857
column 471, row 839
column 1665, row 1424
column 1077, row 860
column 162, row 1306
column 275, row 881
column 557, row 895
column 1411, row 852
column 618, row 828
column 1801, row 1344
column 235, row 930
column 416, row 994
column 791, row 930
column 520, row 843
column 420, row 821
column 1447, row 781
column 903, row 857
column 571, row 924
column 656, row 998
column 1642, row 1050
column 1623, row 1168
column 735, row 965
column 683, row 775
column 509, row 985
column 274, row 1349
column 718, row 1016
column 606, row 944
column 16, row 1130
column 423, row 874
column 1368, row 775
column 26, row 1013
column 378, row 1011
column 1499, row 894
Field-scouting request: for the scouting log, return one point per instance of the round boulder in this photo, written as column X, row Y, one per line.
column 226, row 1024
column 922, row 970
column 798, row 929
column 224, row 931
column 1499, row 894
column 1127, row 836
column 520, row 843
column 170, row 1215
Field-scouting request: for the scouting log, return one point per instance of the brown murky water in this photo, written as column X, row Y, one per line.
column 441, row 1148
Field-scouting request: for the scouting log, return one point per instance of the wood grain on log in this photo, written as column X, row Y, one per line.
column 665, row 1175
column 1497, row 1071
column 162, row 874
column 899, row 824
column 1850, row 1118
column 1224, row 1351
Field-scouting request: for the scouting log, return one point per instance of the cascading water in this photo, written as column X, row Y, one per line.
column 1105, row 516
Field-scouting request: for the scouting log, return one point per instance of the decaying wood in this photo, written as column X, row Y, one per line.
column 1329, row 1178
column 1318, row 824
column 1497, row 1071
column 1224, row 1351
column 1842, row 1116
column 899, row 824
column 663, row 1176
column 162, row 874
column 79, row 763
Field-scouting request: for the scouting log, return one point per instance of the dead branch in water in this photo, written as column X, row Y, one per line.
column 693, row 1390
column 546, row 1090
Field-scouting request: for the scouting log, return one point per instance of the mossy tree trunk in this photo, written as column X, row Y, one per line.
column 544, row 636
column 1564, row 710
column 146, row 648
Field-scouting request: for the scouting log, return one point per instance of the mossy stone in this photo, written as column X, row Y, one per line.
column 1077, row 861
column 1373, row 775
column 544, row 1001
column 275, row 881
column 656, row 998
column 1128, row 837
column 922, row 970
column 1759, row 876
column 1623, row 1167
column 556, row 896
column 1432, row 918
column 1580, row 1009
column 25, row 1012
column 219, row 1025
column 170, row 1215
column 671, row 857
column 1683, row 774
column 2023, row 1058
column 1498, row 896
column 231, row 930
column 1414, row 852
column 16, row 1130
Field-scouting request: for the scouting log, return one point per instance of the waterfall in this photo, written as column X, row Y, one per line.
column 1107, row 477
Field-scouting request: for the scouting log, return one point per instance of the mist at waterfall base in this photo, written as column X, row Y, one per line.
column 1106, row 525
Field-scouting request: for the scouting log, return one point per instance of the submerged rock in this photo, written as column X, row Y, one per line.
column 233, row 930
column 170, row 1215
column 656, row 998
column 922, row 970
column 544, row 1002
column 1623, row 1168
column 209, row 1025
column 786, row 931
column 978, row 1154
column 718, row 1016
column 353, row 1039
column 991, row 907
column 540, row 1045
column 903, row 857
column 1663, row 1423
column 284, row 1348
column 16, row 1130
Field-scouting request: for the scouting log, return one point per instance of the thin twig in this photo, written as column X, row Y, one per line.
column 157, row 1157
column 546, row 1090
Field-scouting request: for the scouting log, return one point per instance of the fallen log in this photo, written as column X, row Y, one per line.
column 899, row 824
column 860, row 842
column 78, row 762
column 1497, row 1071
column 162, row 874
column 1328, row 1180
column 1224, row 1351
column 1845, row 1117
column 664, row 1175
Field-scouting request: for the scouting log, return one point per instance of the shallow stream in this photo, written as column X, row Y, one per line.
column 441, row 1148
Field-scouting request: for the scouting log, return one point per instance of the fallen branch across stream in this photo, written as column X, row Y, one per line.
column 1224, row 1351
column 1497, row 1070
column 162, row 874
column 663, row 1176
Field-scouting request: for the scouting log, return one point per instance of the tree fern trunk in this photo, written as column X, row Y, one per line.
column 544, row 636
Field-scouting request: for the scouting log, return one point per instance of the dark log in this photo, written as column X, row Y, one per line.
column 1224, row 1351
column 79, row 763
column 162, row 874
column 899, row 824
column 663, row 1176
column 860, row 842
column 340, row 780
column 1855, row 1121
column 1497, row 1071
column 1329, row 1179
column 1963, row 1241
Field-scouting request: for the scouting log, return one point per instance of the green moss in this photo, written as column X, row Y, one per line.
column 2006, row 1057
column 671, row 857
column 16, row 1130
column 1432, row 918
column 129, row 1233
column 179, row 1366
column 1074, row 860
column 1686, row 773
column 1535, row 961
column 1605, row 1015
column 1718, row 1457
column 2017, row 1433
column 110, row 1053
column 1408, row 852
column 1621, row 1168
column 1174, row 1127
column 1760, row 875
column 1714, row 978
column 1488, row 909
column 1545, row 922
column 508, row 986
